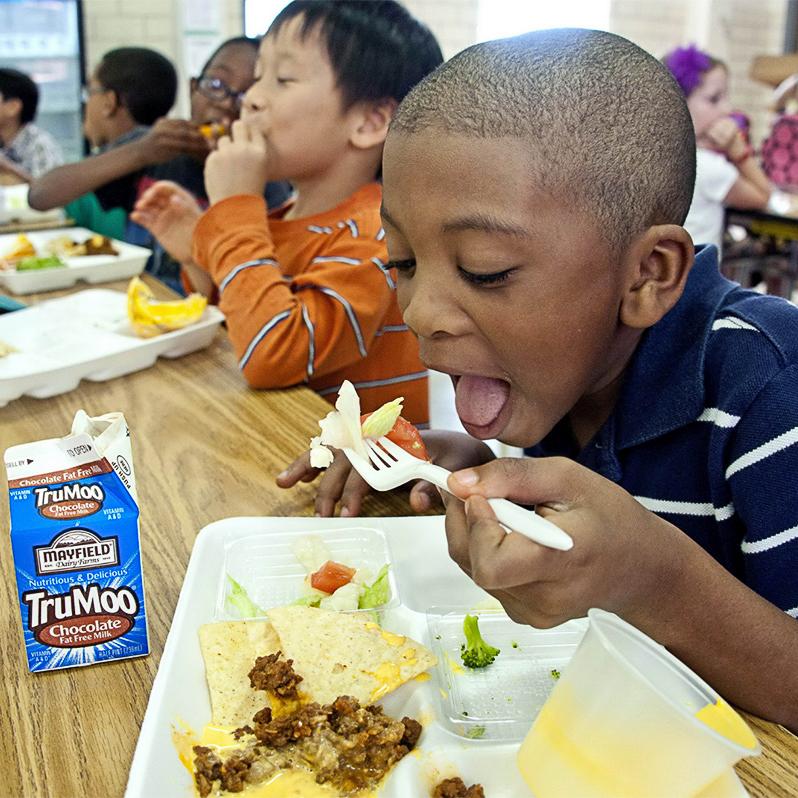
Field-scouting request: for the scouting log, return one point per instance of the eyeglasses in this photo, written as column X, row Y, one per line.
column 217, row 90
column 87, row 91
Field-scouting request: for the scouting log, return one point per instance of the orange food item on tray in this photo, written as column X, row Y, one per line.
column 331, row 576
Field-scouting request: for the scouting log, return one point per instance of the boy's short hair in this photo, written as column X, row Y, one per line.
column 144, row 81
column 377, row 49
column 16, row 85
column 605, row 120
column 247, row 41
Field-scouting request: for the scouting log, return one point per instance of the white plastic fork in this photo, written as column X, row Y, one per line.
column 391, row 466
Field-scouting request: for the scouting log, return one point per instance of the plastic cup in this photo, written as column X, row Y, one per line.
column 627, row 718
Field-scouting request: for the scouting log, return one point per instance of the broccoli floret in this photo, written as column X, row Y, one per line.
column 475, row 652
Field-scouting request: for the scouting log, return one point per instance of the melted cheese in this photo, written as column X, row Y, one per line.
column 295, row 783
column 290, row 784
column 389, row 637
column 455, row 667
column 389, row 677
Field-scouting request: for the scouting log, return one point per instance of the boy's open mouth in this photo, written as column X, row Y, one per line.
column 480, row 402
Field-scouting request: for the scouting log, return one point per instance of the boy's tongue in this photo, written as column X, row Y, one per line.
column 479, row 400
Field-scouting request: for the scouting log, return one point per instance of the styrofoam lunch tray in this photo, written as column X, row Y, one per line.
column 424, row 578
column 90, row 268
column 14, row 207
column 85, row 335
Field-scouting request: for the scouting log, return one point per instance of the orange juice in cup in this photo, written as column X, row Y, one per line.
column 628, row 719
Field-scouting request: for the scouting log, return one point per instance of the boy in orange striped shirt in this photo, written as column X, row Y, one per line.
column 305, row 290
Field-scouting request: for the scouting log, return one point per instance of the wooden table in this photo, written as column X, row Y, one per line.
column 205, row 447
column 41, row 224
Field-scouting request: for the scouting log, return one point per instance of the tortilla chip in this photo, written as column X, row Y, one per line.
column 229, row 650
column 340, row 654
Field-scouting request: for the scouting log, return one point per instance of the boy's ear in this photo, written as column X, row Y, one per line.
column 111, row 103
column 14, row 106
column 370, row 123
column 658, row 263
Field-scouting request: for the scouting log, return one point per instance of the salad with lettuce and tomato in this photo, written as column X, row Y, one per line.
column 328, row 583
column 335, row 585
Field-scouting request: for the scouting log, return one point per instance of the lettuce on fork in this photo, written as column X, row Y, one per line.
column 341, row 428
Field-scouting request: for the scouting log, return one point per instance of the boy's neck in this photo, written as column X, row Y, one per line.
column 590, row 412
column 588, row 415
column 327, row 190
column 119, row 125
column 9, row 130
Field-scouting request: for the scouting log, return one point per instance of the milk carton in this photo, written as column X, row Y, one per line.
column 74, row 534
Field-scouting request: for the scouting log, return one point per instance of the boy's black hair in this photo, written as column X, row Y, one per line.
column 377, row 49
column 144, row 81
column 236, row 40
column 16, row 85
column 606, row 123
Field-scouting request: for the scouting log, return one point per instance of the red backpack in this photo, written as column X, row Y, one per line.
column 779, row 152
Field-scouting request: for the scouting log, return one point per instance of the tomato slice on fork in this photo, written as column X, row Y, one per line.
column 404, row 434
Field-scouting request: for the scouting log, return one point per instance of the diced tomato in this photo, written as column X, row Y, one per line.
column 404, row 434
column 331, row 576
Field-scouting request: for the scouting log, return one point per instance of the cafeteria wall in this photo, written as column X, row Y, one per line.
column 734, row 30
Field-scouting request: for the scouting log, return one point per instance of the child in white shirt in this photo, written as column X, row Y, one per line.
column 726, row 171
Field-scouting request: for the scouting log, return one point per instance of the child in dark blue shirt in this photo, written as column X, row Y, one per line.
column 534, row 195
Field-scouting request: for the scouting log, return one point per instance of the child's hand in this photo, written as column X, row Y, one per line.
column 622, row 554
column 341, row 483
column 168, row 138
column 170, row 213
column 725, row 136
column 239, row 165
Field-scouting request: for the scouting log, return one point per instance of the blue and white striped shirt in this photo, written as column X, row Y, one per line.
column 705, row 431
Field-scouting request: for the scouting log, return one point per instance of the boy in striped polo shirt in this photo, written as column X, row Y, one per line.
column 305, row 291
column 534, row 193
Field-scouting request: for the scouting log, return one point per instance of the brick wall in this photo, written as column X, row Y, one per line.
column 732, row 30
column 147, row 23
column 735, row 30
column 454, row 22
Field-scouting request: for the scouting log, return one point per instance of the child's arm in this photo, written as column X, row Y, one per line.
column 340, row 483
column 170, row 213
column 9, row 167
column 631, row 562
column 752, row 188
column 292, row 321
column 167, row 139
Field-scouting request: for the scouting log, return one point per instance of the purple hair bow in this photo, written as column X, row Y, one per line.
column 687, row 65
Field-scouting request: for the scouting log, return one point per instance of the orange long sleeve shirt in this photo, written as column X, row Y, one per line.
column 310, row 300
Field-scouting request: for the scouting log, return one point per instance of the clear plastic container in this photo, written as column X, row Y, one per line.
column 628, row 719
column 266, row 567
column 497, row 703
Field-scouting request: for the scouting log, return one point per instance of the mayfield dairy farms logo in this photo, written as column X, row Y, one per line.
column 69, row 501
column 85, row 616
column 76, row 549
